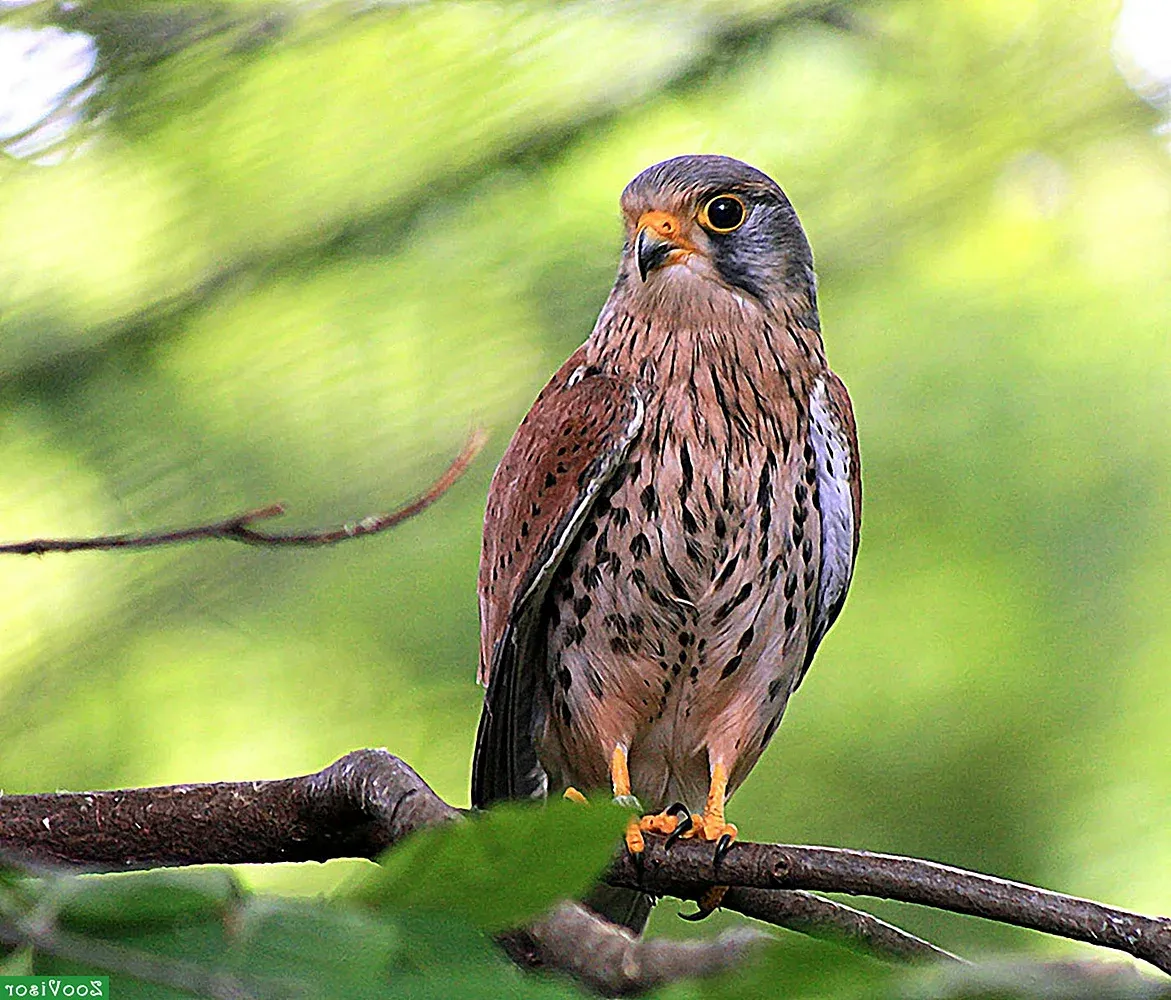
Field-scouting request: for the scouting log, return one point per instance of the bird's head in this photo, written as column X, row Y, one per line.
column 716, row 221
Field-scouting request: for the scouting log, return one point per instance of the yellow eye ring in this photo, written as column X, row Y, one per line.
column 724, row 213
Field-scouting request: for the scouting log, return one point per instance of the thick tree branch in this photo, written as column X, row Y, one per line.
column 356, row 807
column 239, row 528
column 368, row 800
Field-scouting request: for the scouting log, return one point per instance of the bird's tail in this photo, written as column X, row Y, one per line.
column 627, row 907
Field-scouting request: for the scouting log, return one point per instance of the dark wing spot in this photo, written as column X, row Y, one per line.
column 728, row 607
column 640, row 548
column 728, row 570
column 732, row 666
column 594, row 680
column 745, row 640
column 649, row 500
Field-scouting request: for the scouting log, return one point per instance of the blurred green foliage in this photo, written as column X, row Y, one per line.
column 296, row 252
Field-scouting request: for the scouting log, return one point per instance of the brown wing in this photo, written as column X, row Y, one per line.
column 573, row 440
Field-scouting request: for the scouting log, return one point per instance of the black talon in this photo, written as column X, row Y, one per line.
column 722, row 846
column 682, row 821
column 708, row 903
column 698, row 915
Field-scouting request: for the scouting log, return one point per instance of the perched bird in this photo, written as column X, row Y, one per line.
column 672, row 529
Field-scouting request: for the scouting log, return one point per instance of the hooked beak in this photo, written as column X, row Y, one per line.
column 659, row 242
column 651, row 250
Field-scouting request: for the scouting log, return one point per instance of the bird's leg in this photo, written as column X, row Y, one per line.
column 674, row 821
column 573, row 795
column 620, row 780
column 712, row 825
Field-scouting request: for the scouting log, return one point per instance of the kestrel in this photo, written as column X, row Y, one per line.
column 673, row 527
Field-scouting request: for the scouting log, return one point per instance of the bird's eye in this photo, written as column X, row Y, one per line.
column 722, row 214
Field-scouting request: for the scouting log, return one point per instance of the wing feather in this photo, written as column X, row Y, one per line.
column 839, row 491
column 574, row 439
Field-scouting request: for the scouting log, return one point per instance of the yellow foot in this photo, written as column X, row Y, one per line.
column 635, row 843
column 712, row 828
column 573, row 795
column 665, row 823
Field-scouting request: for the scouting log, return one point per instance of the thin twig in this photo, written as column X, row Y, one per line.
column 828, row 920
column 239, row 528
column 687, row 867
column 91, row 953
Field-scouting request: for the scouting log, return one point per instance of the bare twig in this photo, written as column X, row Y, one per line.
column 828, row 920
column 239, row 528
column 90, row 953
column 687, row 868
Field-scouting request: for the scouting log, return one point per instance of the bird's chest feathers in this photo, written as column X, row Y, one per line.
column 686, row 570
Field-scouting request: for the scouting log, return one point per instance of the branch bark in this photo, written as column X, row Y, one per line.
column 611, row 961
column 239, row 528
column 369, row 800
column 685, row 868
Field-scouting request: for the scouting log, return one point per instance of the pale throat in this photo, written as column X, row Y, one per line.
column 685, row 317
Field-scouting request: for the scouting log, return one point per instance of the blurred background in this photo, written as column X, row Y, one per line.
column 263, row 251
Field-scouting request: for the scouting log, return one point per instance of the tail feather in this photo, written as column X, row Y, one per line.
column 627, row 907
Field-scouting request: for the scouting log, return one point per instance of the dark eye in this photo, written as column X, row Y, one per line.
column 722, row 214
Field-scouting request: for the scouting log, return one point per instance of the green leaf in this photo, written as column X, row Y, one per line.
column 799, row 968
column 500, row 869
column 152, row 898
column 314, row 949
